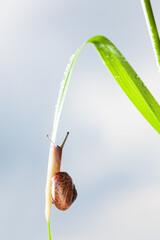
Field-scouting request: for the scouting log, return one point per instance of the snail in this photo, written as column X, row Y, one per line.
column 60, row 189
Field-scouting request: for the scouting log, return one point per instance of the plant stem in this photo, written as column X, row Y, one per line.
column 153, row 32
column 49, row 231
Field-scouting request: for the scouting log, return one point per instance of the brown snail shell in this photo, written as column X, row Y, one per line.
column 64, row 192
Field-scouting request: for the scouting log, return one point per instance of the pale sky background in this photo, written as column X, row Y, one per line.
column 112, row 153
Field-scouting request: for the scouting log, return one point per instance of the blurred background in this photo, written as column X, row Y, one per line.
column 112, row 152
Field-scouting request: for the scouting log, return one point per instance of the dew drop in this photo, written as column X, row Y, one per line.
column 71, row 58
column 137, row 77
column 112, row 60
column 62, row 83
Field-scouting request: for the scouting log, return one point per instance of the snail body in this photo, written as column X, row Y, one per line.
column 64, row 192
column 60, row 189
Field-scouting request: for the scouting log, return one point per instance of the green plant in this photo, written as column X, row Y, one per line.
column 125, row 76
column 152, row 28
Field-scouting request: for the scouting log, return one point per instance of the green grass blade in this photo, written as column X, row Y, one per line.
column 128, row 80
column 153, row 32
column 63, row 91
column 125, row 76
column 49, row 231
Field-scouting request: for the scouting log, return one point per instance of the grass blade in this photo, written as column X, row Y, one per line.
column 49, row 231
column 125, row 76
column 152, row 28
column 128, row 80
column 63, row 91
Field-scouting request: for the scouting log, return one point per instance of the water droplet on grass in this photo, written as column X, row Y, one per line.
column 71, row 58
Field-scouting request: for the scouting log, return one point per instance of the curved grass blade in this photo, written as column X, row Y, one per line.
column 63, row 91
column 128, row 80
column 152, row 28
column 125, row 76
